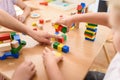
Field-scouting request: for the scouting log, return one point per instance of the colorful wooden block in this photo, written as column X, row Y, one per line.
column 1, row 42
column 16, row 50
column 5, row 47
column 61, row 39
column 15, row 44
column 90, row 39
column 65, row 49
column 17, row 38
column 56, row 26
column 94, row 30
column 12, row 34
column 60, row 46
column 4, row 36
column 92, row 24
column 83, row 5
column 64, row 30
column 55, row 45
column 92, row 27
column 44, row 3
column 60, row 27
column 34, row 24
column 41, row 21
column 90, row 32
column 64, row 36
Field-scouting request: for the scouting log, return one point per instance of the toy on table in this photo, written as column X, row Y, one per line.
column 60, row 28
column 61, row 39
column 40, row 23
column 12, row 47
column 61, row 47
column 81, row 8
column 90, row 32
column 58, row 44
column 35, row 15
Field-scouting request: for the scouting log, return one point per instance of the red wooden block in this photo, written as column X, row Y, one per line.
column 44, row 3
column 56, row 30
column 61, row 40
column 60, row 27
column 35, row 29
column 4, row 36
column 41, row 21
column 79, row 7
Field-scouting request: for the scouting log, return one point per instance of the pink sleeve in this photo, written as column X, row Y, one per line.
column 14, row 1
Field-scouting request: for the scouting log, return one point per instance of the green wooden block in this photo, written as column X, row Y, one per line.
column 64, row 36
column 92, row 24
column 55, row 45
column 12, row 34
column 16, row 50
column 64, row 29
column 23, row 43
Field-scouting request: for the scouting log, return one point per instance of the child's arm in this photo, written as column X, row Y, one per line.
column 51, row 65
column 95, row 18
column 26, row 10
column 10, row 22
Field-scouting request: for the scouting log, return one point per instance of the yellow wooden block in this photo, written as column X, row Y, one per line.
column 92, row 27
column 72, row 28
column 34, row 24
column 56, row 26
column 60, row 47
column 53, row 39
column 90, row 31
column 58, row 54
column 1, row 42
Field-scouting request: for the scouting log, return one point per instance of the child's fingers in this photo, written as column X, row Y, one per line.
column 48, row 50
column 44, row 40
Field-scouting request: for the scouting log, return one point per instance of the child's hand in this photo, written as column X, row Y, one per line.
column 68, row 21
column 41, row 36
column 21, row 18
column 50, row 58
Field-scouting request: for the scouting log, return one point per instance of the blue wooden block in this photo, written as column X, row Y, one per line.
column 3, row 57
column 94, row 30
column 10, row 54
column 16, row 55
column 17, row 38
column 90, row 39
column 65, row 49
column 56, row 33
column 83, row 5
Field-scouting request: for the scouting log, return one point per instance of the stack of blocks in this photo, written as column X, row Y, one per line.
column 59, row 28
column 90, row 32
column 81, row 8
column 61, row 47
column 10, row 45
column 58, row 44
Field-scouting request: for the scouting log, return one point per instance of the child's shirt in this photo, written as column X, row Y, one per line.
column 8, row 6
column 113, row 72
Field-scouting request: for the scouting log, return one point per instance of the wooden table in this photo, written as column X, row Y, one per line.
column 75, row 64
